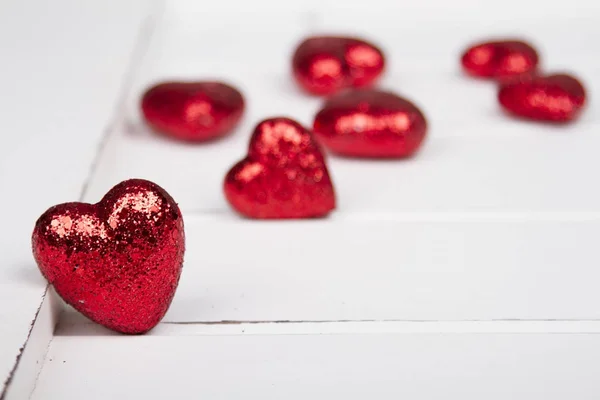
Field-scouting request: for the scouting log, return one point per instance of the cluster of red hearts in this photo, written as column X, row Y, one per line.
column 119, row 261
column 523, row 90
column 285, row 174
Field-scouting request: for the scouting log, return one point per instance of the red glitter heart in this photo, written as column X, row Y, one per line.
column 324, row 65
column 193, row 111
column 284, row 175
column 118, row 261
column 554, row 98
column 500, row 59
column 370, row 123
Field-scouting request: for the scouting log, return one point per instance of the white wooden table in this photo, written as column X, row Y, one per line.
column 469, row 272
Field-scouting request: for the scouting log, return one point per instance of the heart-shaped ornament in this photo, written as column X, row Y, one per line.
column 501, row 59
column 118, row 261
column 370, row 123
column 193, row 111
column 555, row 98
column 323, row 65
column 284, row 175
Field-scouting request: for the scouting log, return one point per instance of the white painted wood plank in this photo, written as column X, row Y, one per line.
column 388, row 270
column 63, row 64
column 353, row 366
column 525, row 174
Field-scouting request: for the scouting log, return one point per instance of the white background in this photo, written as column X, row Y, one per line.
column 468, row 271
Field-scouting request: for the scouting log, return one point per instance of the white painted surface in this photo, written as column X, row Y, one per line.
column 535, row 171
column 371, row 270
column 494, row 219
column 34, row 354
column 352, row 366
column 62, row 66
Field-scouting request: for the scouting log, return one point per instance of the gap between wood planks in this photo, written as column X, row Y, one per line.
column 225, row 215
column 73, row 324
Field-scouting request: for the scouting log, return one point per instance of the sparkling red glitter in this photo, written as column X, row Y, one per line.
column 554, row 98
column 118, row 261
column 193, row 111
column 284, row 175
column 370, row 123
column 502, row 60
column 324, row 65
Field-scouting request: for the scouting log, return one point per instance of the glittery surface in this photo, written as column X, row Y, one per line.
column 501, row 60
column 370, row 123
column 554, row 98
column 193, row 111
column 118, row 262
column 324, row 65
column 284, row 175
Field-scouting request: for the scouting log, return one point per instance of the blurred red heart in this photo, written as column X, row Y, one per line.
column 118, row 261
column 555, row 98
column 284, row 175
column 500, row 59
column 324, row 65
column 193, row 111
column 370, row 123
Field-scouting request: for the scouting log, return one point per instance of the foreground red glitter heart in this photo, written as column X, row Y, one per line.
column 555, row 98
column 284, row 175
column 193, row 111
column 118, row 261
column 500, row 60
column 324, row 65
column 370, row 123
